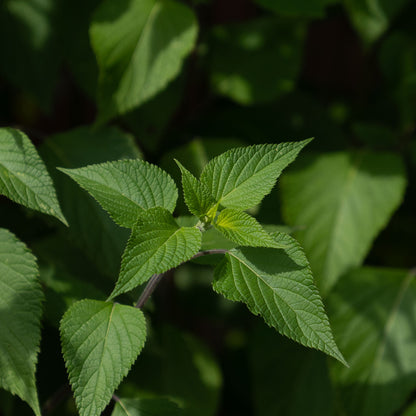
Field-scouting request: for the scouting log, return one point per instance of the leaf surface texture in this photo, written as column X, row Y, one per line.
column 277, row 284
column 23, row 175
column 20, row 313
column 156, row 245
column 100, row 342
column 127, row 187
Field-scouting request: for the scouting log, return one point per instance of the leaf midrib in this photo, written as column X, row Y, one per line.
column 119, row 194
column 39, row 198
column 139, row 41
column 236, row 188
column 103, row 350
column 270, row 287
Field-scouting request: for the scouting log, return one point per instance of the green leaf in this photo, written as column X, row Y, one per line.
column 100, row 342
column 300, row 387
column 127, row 187
column 20, row 313
column 372, row 18
column 23, row 175
column 156, row 245
column 278, row 285
column 240, row 178
column 243, row 229
column 342, row 201
column 373, row 314
column 256, row 61
column 146, row 407
column 196, row 194
column 92, row 230
column 308, row 8
column 140, row 46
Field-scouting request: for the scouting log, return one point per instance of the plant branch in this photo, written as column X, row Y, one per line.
column 156, row 278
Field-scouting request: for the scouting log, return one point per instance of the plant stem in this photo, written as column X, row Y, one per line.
column 156, row 278
column 149, row 289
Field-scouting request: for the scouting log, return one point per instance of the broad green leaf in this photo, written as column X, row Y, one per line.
column 20, row 313
column 179, row 366
column 30, row 28
column 196, row 194
column 243, row 229
column 92, row 230
column 299, row 386
column 372, row 18
column 100, row 342
column 140, row 46
column 308, row 8
column 23, row 175
column 156, row 245
column 256, row 61
column 342, row 201
column 127, row 187
column 278, row 285
column 373, row 315
column 240, row 178
column 146, row 407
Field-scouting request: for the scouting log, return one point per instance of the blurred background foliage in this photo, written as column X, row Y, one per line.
column 91, row 81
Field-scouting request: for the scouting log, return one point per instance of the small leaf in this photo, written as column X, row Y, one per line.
column 127, row 187
column 278, row 285
column 240, row 178
column 100, row 342
column 156, row 245
column 341, row 201
column 196, row 194
column 23, row 175
column 140, row 46
column 20, row 312
column 146, row 407
column 243, row 229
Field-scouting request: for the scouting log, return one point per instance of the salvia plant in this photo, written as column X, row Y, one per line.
column 266, row 269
